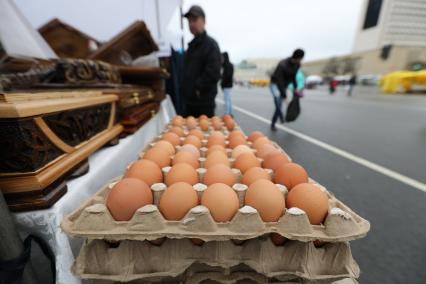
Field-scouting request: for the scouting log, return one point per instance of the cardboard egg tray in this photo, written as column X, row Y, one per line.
column 260, row 258
column 93, row 220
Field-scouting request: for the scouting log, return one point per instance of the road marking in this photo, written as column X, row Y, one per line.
column 373, row 166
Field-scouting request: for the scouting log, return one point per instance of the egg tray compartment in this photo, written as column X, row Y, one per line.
column 132, row 260
column 93, row 220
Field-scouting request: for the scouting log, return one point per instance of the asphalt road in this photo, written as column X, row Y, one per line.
column 388, row 130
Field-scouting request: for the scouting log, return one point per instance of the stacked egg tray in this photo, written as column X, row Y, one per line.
column 93, row 221
column 135, row 260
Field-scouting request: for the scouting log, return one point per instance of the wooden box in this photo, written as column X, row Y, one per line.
column 46, row 137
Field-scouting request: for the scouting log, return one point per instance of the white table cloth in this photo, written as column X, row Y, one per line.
column 105, row 164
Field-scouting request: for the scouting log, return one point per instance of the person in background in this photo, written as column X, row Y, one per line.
column 300, row 79
column 284, row 74
column 227, row 82
column 332, row 86
column 351, row 84
column 202, row 62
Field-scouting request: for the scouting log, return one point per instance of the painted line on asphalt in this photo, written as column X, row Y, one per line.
column 373, row 166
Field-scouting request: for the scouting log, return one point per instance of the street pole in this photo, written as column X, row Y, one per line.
column 11, row 245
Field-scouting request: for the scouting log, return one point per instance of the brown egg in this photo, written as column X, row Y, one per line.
column 241, row 149
column 277, row 239
column 191, row 122
column 216, row 157
column 236, row 133
column 178, row 121
column 274, row 160
column 127, row 196
column 191, row 149
column 227, row 117
column 254, row 174
column 290, row 175
column 215, row 148
column 254, row 135
column 204, row 124
column 217, row 125
column 265, row 150
column 236, row 141
column 221, row 200
column 166, row 146
column 192, row 139
column 230, row 124
column 182, row 172
column 178, row 130
column 171, row 137
column 216, row 138
column 197, row 241
column 260, row 142
column 203, row 116
column 267, row 199
column 158, row 156
column 177, row 200
column 310, row 199
column 145, row 170
column 219, row 173
column 246, row 161
column 187, row 158
column 197, row 132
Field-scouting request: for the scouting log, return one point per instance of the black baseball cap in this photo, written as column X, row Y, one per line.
column 195, row 11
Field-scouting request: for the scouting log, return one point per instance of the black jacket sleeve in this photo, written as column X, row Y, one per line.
column 211, row 72
column 279, row 78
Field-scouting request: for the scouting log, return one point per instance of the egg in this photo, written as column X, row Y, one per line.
column 197, row 132
column 182, row 172
column 172, row 138
column 178, row 121
column 191, row 149
column 158, row 156
column 310, row 199
column 254, row 135
column 260, row 142
column 187, row 158
column 290, row 175
column 216, row 157
column 240, row 149
column 274, row 160
column 246, row 161
column 236, row 141
column 236, row 133
column 191, row 122
column 217, row 125
column 267, row 199
column 277, row 239
column 215, row 148
column 230, row 124
column 127, row 196
column 254, row 174
column 177, row 200
column 266, row 149
column 216, row 138
column 203, row 116
column 166, row 146
column 221, row 200
column 192, row 139
column 145, row 170
column 227, row 117
column 178, row 130
column 219, row 173
column 204, row 124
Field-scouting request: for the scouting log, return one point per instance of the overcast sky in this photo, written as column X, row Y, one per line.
column 244, row 28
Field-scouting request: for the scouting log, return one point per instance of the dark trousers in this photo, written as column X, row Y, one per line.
column 197, row 110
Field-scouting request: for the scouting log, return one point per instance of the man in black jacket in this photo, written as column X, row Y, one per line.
column 284, row 74
column 201, row 67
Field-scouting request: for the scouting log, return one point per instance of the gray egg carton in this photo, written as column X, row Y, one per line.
column 260, row 258
column 93, row 220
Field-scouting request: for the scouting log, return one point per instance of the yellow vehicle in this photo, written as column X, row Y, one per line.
column 259, row 82
column 393, row 82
